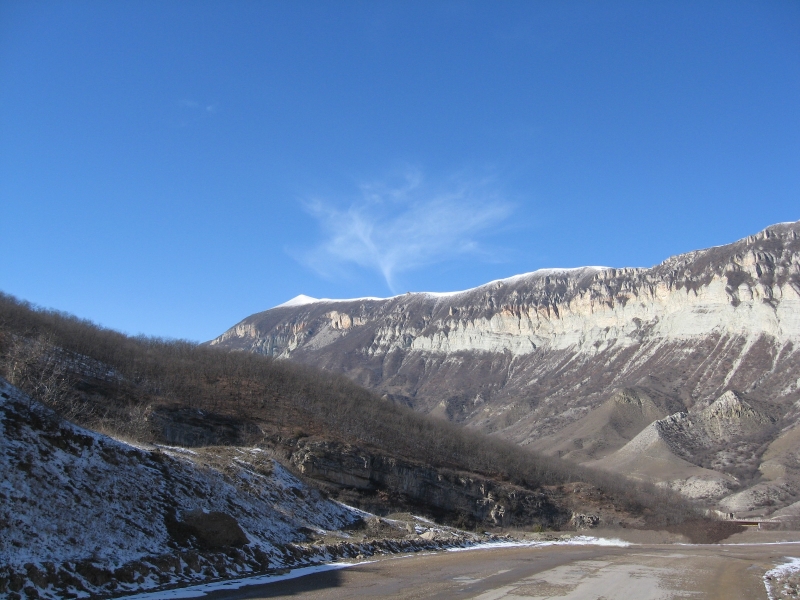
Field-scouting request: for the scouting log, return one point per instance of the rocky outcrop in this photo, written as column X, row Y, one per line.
column 582, row 521
column 386, row 482
column 212, row 530
column 730, row 416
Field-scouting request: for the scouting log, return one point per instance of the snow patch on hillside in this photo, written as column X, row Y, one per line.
column 578, row 540
column 235, row 584
column 782, row 581
column 302, row 299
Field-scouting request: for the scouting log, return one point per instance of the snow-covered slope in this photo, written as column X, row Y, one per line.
column 83, row 513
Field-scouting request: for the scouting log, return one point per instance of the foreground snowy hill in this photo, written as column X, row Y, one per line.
column 83, row 513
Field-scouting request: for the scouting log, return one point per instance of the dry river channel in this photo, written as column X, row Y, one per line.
column 638, row 572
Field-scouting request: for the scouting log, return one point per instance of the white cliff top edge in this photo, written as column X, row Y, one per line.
column 302, row 299
column 298, row 301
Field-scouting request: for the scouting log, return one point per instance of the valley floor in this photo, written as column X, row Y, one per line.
column 742, row 568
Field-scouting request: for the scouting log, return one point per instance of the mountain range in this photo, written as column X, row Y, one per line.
column 686, row 373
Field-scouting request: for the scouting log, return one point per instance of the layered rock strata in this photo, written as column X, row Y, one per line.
column 383, row 482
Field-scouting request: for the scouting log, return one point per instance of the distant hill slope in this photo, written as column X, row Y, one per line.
column 714, row 452
column 536, row 358
column 609, row 427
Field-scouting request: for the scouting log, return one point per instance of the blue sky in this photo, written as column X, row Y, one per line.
column 169, row 168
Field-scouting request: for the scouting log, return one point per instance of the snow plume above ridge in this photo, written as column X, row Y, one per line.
column 397, row 228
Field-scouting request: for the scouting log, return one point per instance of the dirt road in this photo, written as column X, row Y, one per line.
column 640, row 572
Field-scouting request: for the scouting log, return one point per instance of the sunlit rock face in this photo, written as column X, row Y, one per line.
column 536, row 351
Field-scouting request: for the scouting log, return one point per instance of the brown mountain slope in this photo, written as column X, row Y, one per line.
column 718, row 453
column 608, row 427
column 650, row 456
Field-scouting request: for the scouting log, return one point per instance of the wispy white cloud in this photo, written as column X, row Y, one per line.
column 195, row 105
column 398, row 228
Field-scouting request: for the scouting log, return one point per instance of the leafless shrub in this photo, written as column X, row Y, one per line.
column 34, row 366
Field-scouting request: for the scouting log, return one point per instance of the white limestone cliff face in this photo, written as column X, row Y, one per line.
column 750, row 294
column 587, row 322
